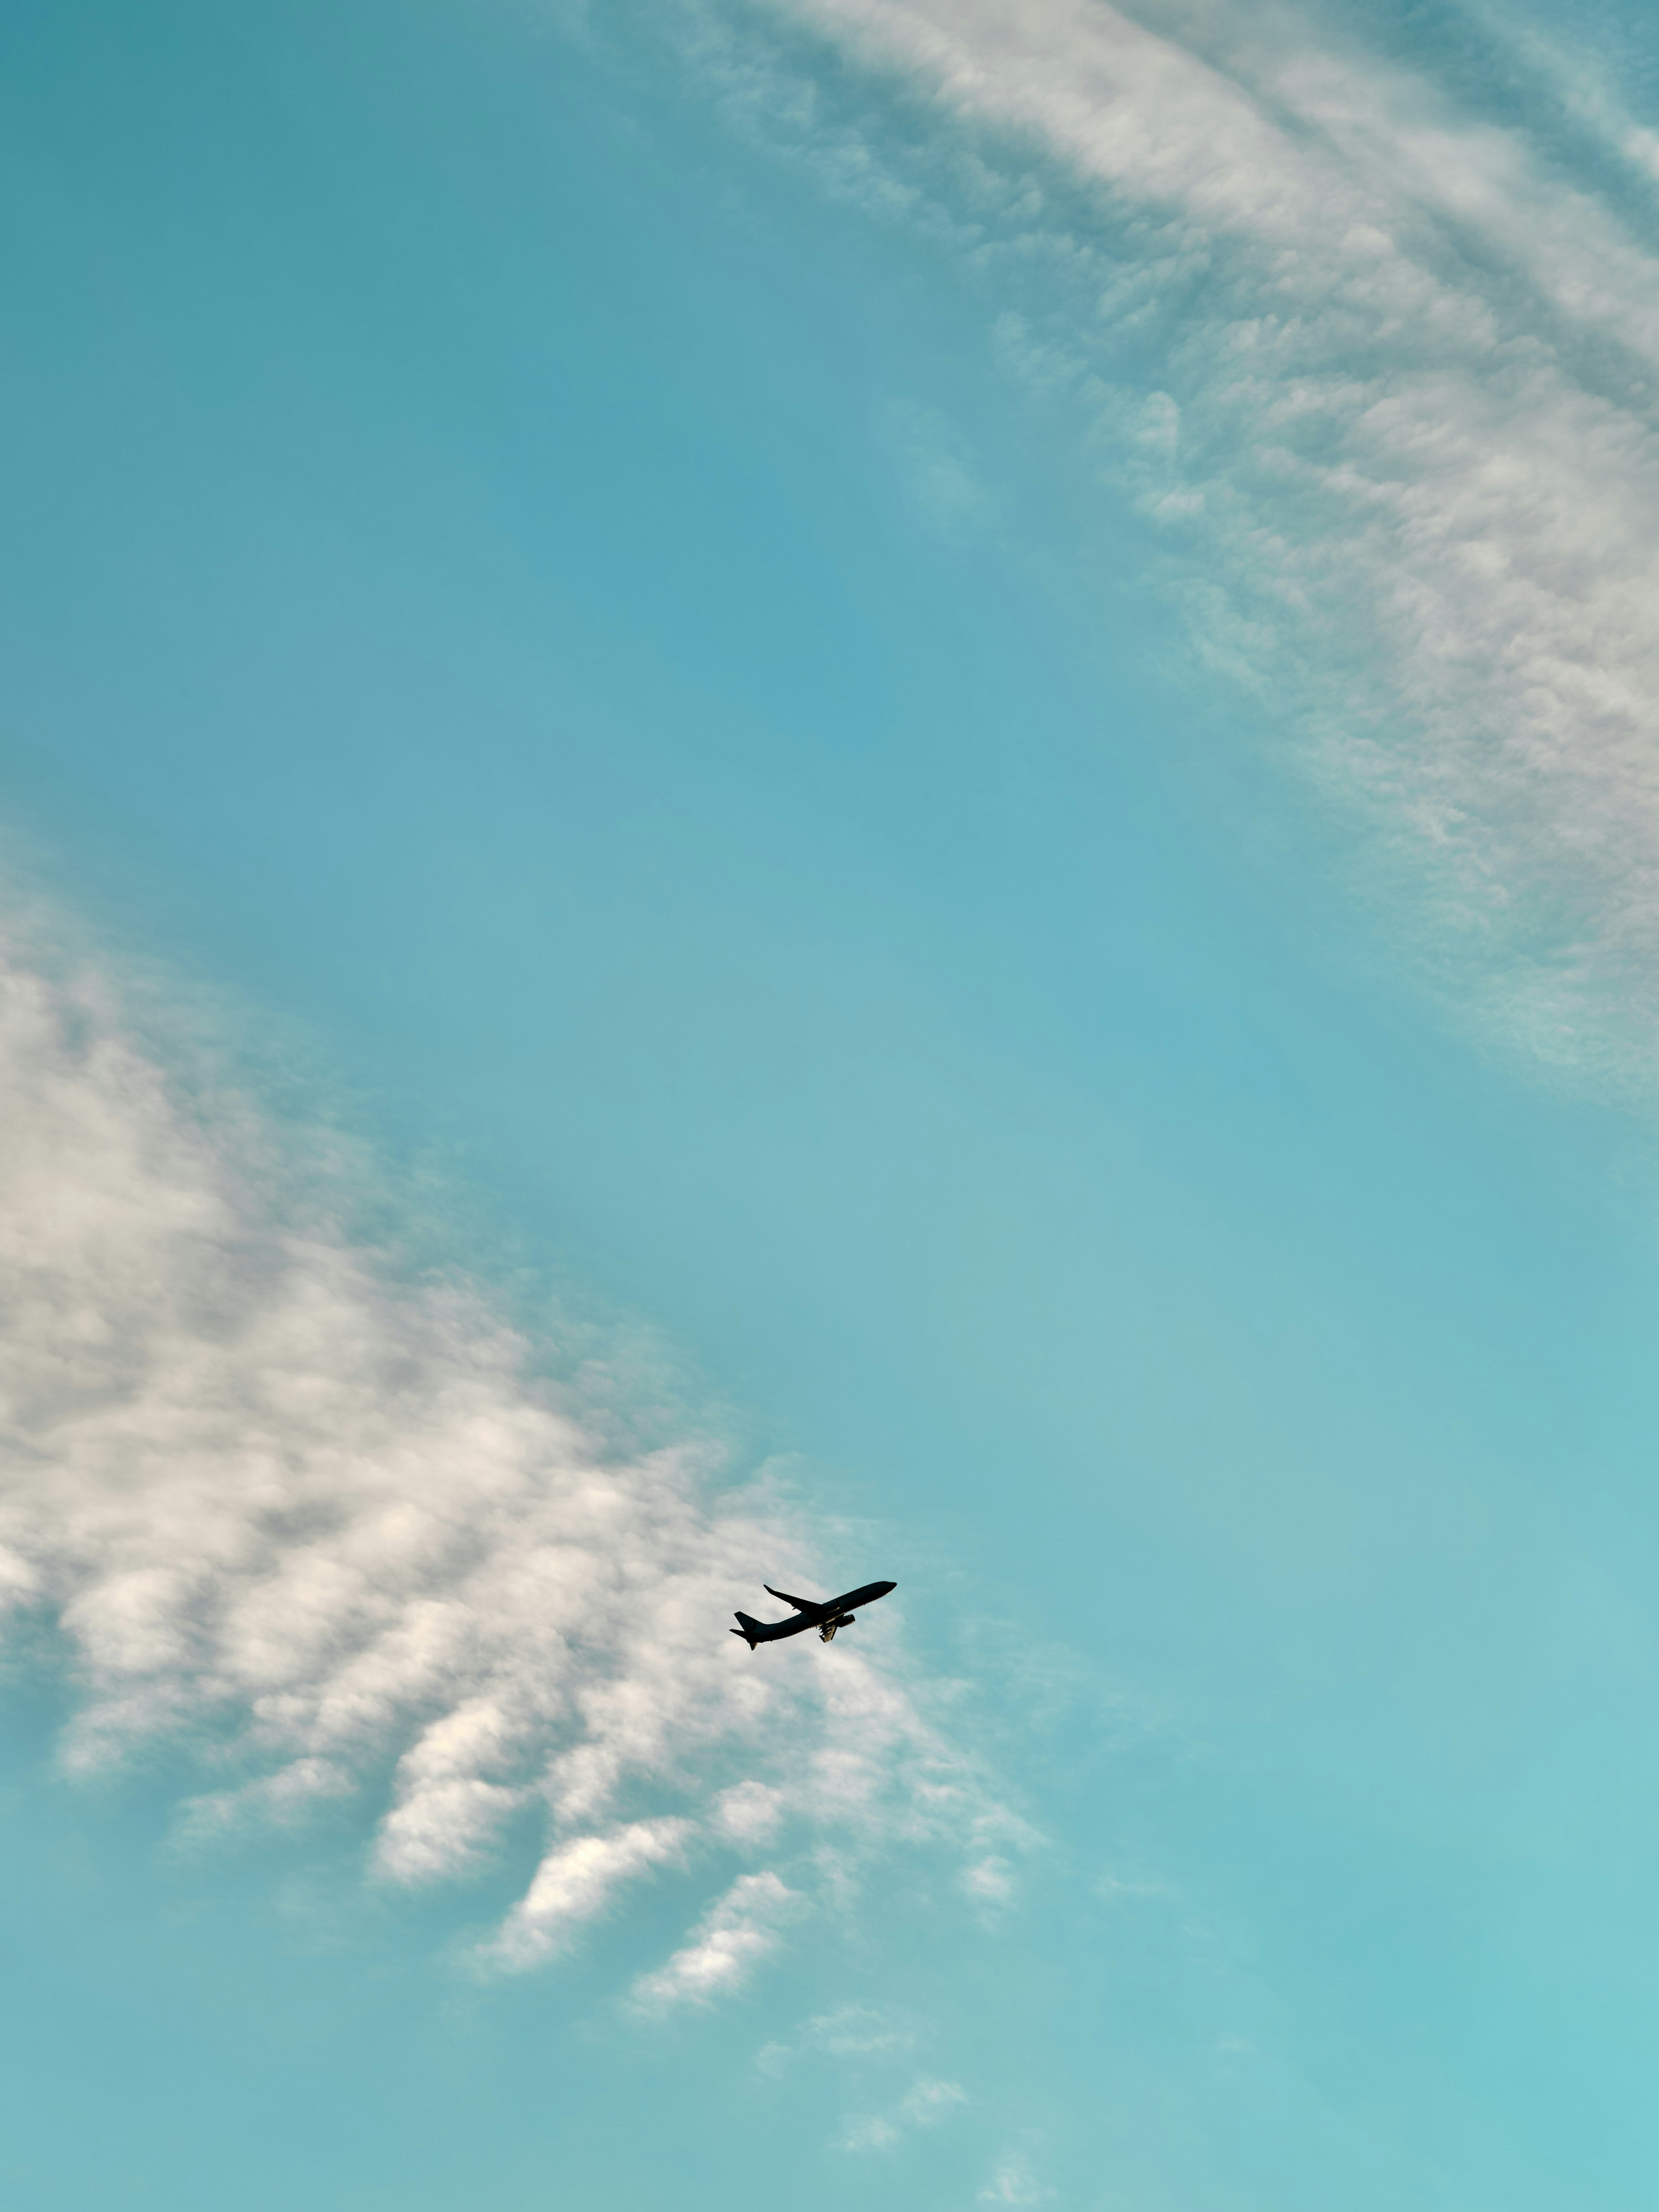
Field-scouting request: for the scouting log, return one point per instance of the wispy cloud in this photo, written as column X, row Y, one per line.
column 872, row 2048
column 929, row 2102
column 1383, row 370
column 325, row 1524
column 575, row 1881
column 937, row 472
column 990, row 1879
column 728, row 1943
column 926, row 2105
column 1013, row 2181
column 860, row 2032
column 867, row 2131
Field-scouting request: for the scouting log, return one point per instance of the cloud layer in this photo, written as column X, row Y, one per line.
column 1383, row 369
column 322, row 1527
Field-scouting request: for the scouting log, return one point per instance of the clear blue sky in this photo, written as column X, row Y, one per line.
column 549, row 581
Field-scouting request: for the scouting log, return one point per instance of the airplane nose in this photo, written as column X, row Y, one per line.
column 885, row 1587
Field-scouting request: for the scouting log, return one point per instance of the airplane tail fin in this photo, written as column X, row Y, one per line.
column 747, row 1631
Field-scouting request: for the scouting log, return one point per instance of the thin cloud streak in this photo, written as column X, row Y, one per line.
column 1386, row 378
column 730, row 1942
column 327, row 1527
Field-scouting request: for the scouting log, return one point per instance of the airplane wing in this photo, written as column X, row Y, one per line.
column 800, row 1604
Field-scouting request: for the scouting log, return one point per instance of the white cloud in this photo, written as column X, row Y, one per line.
column 1119, row 1889
column 871, row 2048
column 287, row 1798
column 1013, row 2182
column 858, row 2031
column 574, row 1882
column 937, row 473
column 1405, row 448
column 857, row 2035
column 728, row 1943
column 869, row 2131
column 927, row 2105
column 930, row 2102
column 751, row 1814
column 991, row 1881
column 328, row 1527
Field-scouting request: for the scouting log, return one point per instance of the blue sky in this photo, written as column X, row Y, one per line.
column 812, row 792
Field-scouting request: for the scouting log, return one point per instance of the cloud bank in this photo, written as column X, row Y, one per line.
column 325, row 1530
column 1382, row 366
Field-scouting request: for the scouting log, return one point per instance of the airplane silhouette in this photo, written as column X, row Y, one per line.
column 835, row 1613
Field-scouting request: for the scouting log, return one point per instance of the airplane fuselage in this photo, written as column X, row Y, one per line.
column 826, row 1616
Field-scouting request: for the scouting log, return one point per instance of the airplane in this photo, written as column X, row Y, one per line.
column 835, row 1613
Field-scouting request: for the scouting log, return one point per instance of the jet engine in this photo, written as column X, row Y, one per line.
column 841, row 1620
